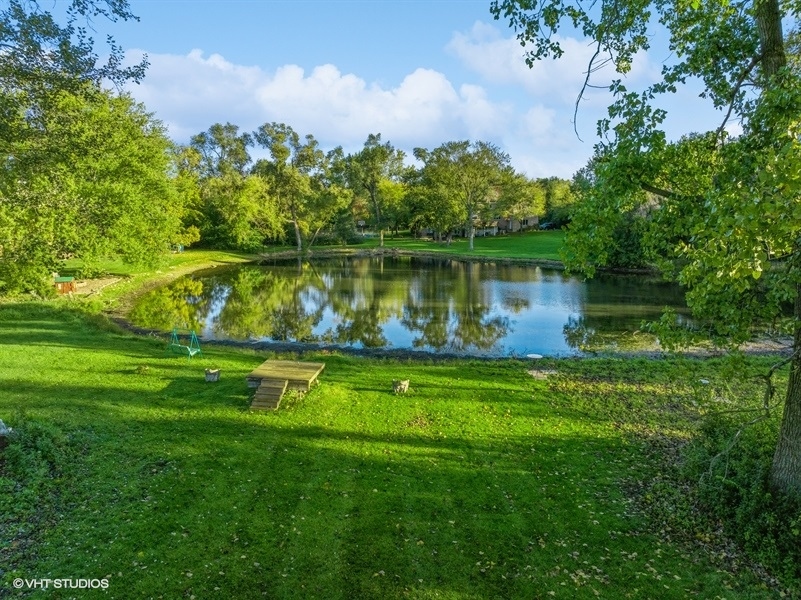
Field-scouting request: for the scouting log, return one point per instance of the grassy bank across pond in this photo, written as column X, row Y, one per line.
column 531, row 245
column 484, row 481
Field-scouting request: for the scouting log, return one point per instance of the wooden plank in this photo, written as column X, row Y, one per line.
column 273, row 377
column 267, row 384
column 269, row 394
column 265, row 404
column 299, row 374
column 269, row 368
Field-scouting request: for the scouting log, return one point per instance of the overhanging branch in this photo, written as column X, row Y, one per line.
column 736, row 90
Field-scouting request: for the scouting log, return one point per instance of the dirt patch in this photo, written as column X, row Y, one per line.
column 541, row 373
column 88, row 287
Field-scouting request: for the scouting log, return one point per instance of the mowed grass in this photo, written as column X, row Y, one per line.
column 542, row 245
column 481, row 482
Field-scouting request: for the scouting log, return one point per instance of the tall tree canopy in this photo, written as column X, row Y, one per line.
column 236, row 208
column 83, row 171
column 726, row 209
column 468, row 176
column 89, row 179
column 40, row 53
column 374, row 163
column 294, row 172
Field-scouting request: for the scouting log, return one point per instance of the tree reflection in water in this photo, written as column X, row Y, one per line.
column 450, row 306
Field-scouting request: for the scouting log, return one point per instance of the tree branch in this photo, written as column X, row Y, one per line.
column 585, row 85
column 737, row 87
column 659, row 191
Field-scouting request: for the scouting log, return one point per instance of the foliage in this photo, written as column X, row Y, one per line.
column 297, row 173
column 465, row 177
column 88, row 178
column 232, row 208
column 64, row 166
column 730, row 224
column 520, row 197
column 730, row 466
column 38, row 456
column 222, row 150
column 41, row 55
column 368, row 168
column 560, row 200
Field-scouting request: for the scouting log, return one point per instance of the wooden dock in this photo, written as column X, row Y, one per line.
column 273, row 377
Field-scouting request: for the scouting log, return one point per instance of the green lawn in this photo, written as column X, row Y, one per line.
column 175, row 260
column 543, row 245
column 481, row 482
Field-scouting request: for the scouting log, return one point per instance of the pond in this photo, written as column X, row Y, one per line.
column 409, row 303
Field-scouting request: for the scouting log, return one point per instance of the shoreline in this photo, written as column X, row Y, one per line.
column 118, row 314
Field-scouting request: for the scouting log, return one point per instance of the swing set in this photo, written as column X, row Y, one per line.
column 176, row 347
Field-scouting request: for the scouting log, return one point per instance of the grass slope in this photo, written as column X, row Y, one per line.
column 481, row 482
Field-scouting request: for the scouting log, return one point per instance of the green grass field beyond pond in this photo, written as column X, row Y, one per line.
column 482, row 482
column 543, row 245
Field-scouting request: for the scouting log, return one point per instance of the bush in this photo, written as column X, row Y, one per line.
column 733, row 485
column 626, row 251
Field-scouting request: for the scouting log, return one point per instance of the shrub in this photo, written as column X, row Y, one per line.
column 732, row 474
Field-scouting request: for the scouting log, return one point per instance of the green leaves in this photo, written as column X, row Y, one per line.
column 367, row 169
column 467, row 177
column 42, row 54
column 88, row 178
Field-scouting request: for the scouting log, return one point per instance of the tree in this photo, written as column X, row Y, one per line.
column 559, row 200
column 521, row 197
column 90, row 179
column 236, row 209
column 40, row 54
column 222, row 149
column 47, row 67
column 294, row 173
column 469, row 174
column 374, row 163
column 732, row 222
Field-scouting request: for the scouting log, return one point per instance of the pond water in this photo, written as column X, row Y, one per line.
column 409, row 303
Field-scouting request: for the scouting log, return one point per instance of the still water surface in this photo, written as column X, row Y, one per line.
column 411, row 303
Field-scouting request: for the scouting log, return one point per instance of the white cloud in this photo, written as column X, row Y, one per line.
column 192, row 92
column 501, row 60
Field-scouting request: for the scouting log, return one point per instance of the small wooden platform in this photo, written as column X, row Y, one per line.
column 273, row 377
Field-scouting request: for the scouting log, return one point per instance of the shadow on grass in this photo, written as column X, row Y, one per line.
column 342, row 494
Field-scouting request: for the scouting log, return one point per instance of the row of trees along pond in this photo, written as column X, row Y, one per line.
column 92, row 174
column 301, row 193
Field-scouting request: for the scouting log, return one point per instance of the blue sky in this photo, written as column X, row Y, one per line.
column 419, row 72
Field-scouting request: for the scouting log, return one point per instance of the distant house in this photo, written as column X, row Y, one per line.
column 492, row 227
column 511, row 225
column 485, row 229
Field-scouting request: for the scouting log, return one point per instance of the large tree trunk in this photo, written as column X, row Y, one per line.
column 785, row 473
column 298, row 236
column 771, row 40
column 786, row 469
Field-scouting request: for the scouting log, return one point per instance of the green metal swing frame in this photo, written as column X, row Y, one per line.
column 176, row 347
